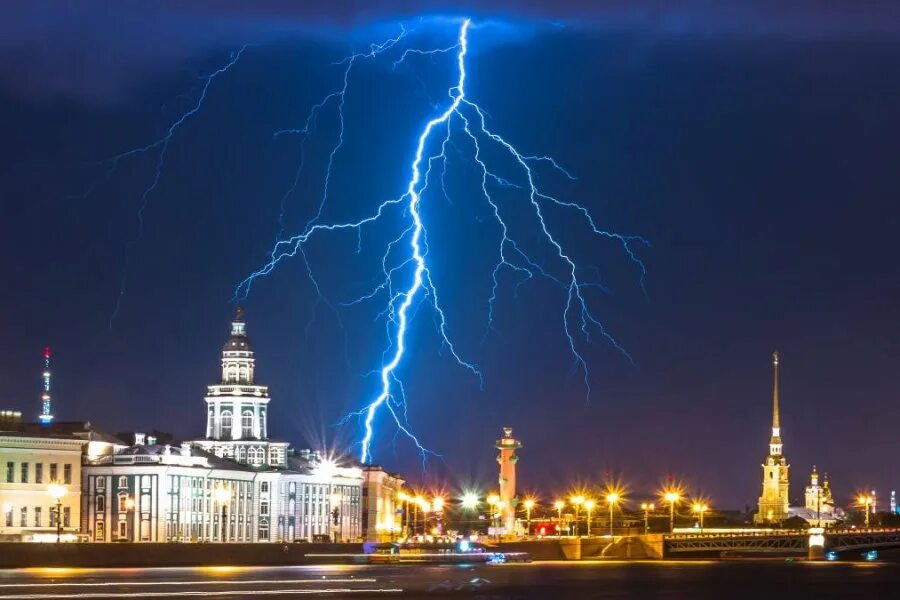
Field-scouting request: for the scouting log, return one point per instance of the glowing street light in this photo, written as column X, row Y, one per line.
column 577, row 501
column 612, row 499
column 700, row 509
column 57, row 492
column 470, row 501
column 672, row 497
column 589, row 507
column 529, row 505
column 866, row 500
column 647, row 507
column 559, row 505
column 222, row 496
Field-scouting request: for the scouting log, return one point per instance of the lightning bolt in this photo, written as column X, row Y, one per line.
column 161, row 145
column 403, row 300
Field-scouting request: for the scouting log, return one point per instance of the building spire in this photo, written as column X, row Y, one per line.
column 776, row 419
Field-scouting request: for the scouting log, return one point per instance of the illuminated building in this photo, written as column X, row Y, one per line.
column 381, row 521
column 507, row 480
column 34, row 457
column 773, row 503
column 237, row 408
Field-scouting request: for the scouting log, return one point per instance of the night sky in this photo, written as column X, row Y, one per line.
column 757, row 151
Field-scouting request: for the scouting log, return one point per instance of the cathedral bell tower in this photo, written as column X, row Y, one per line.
column 773, row 503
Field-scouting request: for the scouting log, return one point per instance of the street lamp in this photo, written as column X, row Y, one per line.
column 672, row 497
column 57, row 492
column 700, row 508
column 647, row 507
column 222, row 497
column 529, row 505
column 470, row 501
column 612, row 499
column 558, row 505
column 589, row 507
column 577, row 501
column 866, row 501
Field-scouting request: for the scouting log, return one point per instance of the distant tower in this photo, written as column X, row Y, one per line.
column 773, row 503
column 508, row 459
column 46, row 416
column 893, row 502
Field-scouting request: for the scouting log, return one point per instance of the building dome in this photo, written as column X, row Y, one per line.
column 237, row 341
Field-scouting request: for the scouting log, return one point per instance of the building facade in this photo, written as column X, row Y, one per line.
column 37, row 460
column 774, row 500
column 382, row 514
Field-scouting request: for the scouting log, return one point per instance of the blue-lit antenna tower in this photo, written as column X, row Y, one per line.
column 46, row 416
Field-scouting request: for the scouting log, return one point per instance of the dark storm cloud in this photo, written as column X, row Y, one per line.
column 94, row 51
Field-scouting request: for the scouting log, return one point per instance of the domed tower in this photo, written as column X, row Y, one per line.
column 236, row 407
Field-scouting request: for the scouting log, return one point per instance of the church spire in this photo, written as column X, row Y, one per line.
column 775, row 442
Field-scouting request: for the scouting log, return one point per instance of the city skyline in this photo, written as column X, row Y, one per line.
column 758, row 167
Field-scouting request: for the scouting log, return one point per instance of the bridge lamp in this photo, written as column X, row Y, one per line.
column 612, row 499
column 470, row 501
column 672, row 497
column 529, row 506
column 577, row 501
column 647, row 507
column 700, row 509
column 559, row 505
column 589, row 507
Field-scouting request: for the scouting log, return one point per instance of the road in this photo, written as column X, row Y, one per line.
column 698, row 580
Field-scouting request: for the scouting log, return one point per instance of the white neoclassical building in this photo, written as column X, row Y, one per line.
column 237, row 408
column 236, row 484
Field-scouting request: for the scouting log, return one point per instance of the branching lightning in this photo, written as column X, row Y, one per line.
column 160, row 145
column 407, row 282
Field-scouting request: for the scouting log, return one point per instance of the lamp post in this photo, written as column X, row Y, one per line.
column 529, row 505
column 700, row 509
column 57, row 492
column 612, row 499
column 404, row 519
column 437, row 505
column 647, row 507
column 222, row 497
column 589, row 507
column 558, row 505
column 577, row 501
column 129, row 507
column 672, row 497
column 865, row 501
column 494, row 502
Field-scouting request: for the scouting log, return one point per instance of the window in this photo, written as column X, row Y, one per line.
column 225, row 418
column 52, row 516
column 37, row 516
column 9, row 519
column 67, row 516
column 54, row 472
column 24, row 472
column 23, row 517
column 145, row 503
column 264, row 508
column 10, row 472
column 264, row 529
column 264, row 487
column 67, row 474
column 123, row 482
column 123, row 503
column 39, row 472
column 247, row 424
column 98, row 532
column 101, row 504
column 101, row 483
column 123, row 529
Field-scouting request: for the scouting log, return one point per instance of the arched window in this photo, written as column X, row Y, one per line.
column 244, row 374
column 225, row 419
column 247, row 424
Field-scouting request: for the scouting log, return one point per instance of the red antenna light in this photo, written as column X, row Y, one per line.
column 46, row 351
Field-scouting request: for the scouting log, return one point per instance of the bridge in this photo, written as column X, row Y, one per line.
column 813, row 542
